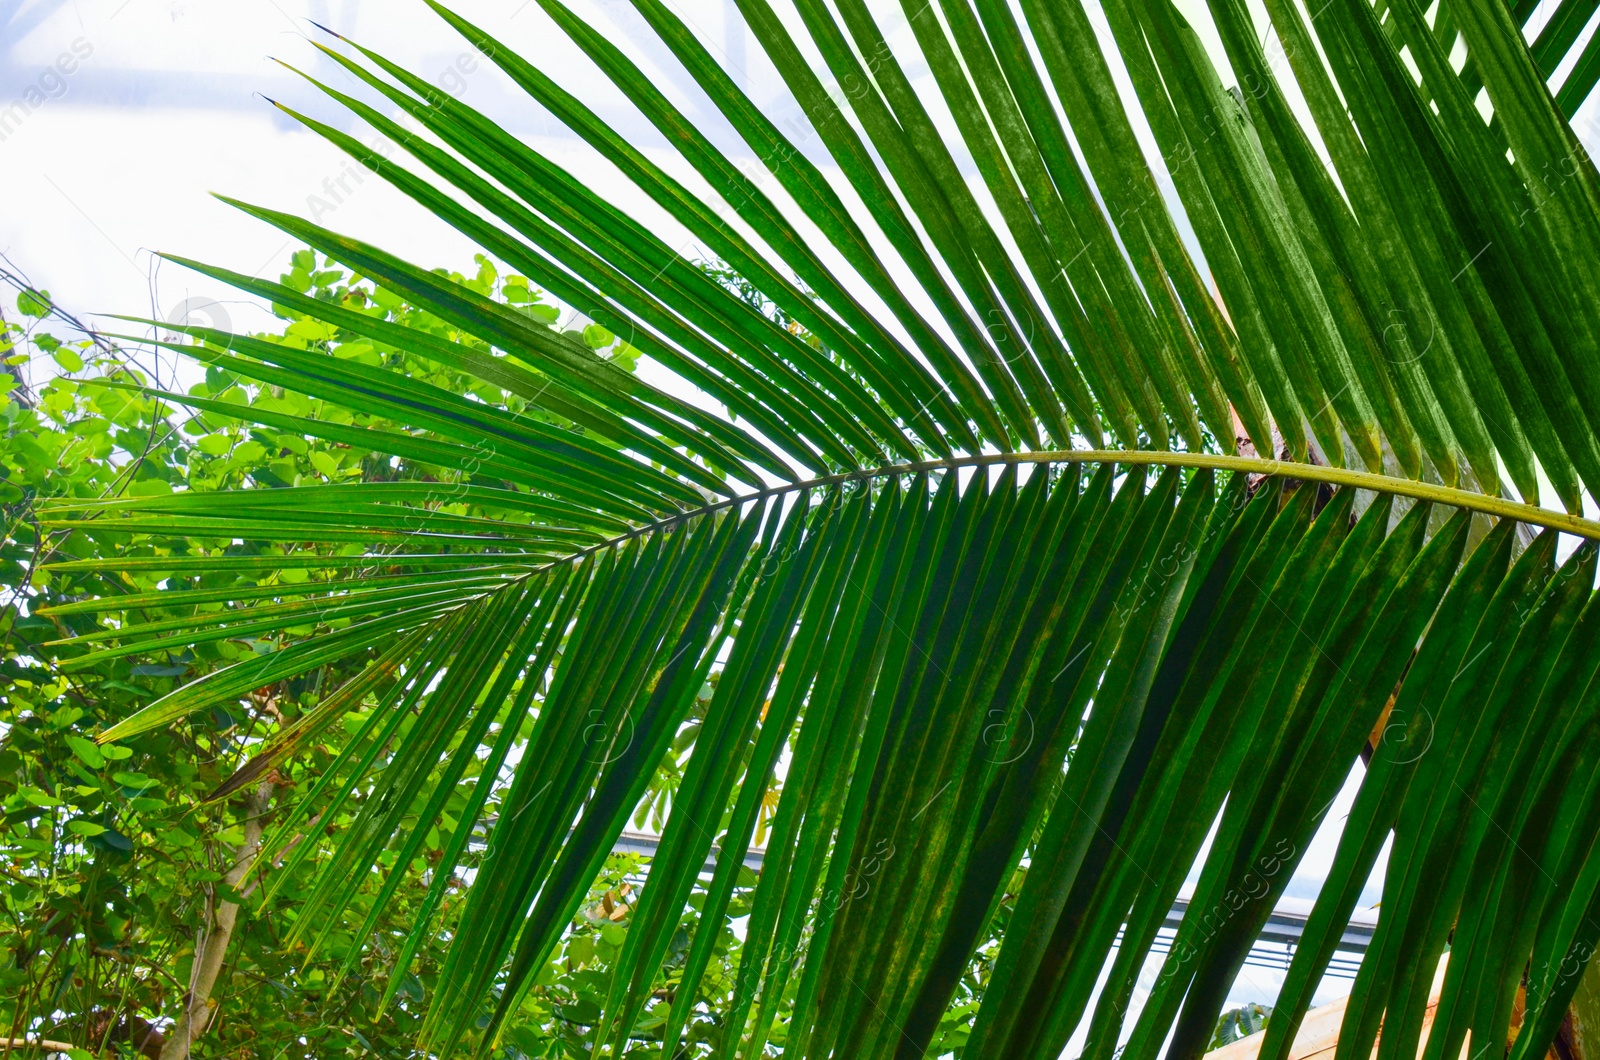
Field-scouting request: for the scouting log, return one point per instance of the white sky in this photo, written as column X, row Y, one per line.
column 117, row 160
column 168, row 107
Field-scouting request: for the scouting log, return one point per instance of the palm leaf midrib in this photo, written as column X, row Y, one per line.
column 1469, row 500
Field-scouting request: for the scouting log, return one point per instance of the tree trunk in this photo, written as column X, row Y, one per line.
column 211, row 947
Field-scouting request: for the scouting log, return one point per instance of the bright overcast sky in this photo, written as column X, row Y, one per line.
column 167, row 103
column 164, row 104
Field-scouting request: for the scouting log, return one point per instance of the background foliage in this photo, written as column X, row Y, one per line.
column 113, row 854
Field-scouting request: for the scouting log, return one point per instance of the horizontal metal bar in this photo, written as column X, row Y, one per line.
column 1285, row 926
column 640, row 843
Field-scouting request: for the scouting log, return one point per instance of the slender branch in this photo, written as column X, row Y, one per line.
column 133, row 962
column 46, row 1044
column 1400, row 487
column 198, row 1007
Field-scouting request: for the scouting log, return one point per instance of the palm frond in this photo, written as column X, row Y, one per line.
column 1001, row 577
